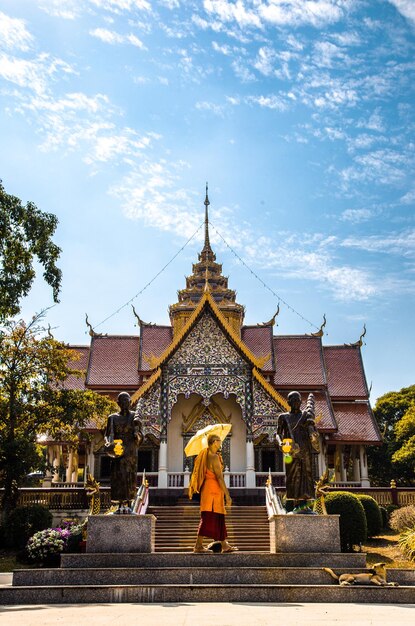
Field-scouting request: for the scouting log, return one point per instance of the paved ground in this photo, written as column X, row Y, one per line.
column 209, row 614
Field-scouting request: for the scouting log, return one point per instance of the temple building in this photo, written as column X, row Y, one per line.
column 207, row 366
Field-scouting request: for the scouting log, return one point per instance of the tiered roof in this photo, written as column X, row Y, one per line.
column 281, row 363
column 206, row 272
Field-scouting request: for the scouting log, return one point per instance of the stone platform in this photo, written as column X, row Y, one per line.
column 237, row 577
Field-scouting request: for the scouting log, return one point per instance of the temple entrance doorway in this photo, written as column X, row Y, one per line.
column 190, row 415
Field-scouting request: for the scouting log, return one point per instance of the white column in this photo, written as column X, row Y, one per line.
column 162, row 477
column 75, row 464
column 343, row 473
column 321, row 457
column 338, row 463
column 250, row 481
column 56, row 463
column 69, row 467
column 356, row 465
column 364, row 476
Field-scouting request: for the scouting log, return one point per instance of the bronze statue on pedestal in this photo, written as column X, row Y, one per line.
column 299, row 427
column 123, row 435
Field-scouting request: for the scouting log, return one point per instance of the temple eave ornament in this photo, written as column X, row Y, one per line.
column 359, row 343
column 320, row 332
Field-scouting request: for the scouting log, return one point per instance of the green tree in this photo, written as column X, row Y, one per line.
column 405, row 436
column 33, row 399
column 394, row 413
column 25, row 236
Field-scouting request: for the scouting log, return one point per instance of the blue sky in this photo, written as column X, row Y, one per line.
column 299, row 113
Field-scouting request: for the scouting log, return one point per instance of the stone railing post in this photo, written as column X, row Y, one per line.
column 227, row 477
column 394, row 493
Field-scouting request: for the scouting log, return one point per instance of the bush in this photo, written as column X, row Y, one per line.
column 385, row 517
column 403, row 518
column 407, row 543
column 46, row 546
column 373, row 515
column 23, row 522
column 353, row 525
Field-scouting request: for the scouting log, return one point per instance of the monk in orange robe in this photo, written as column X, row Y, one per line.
column 207, row 479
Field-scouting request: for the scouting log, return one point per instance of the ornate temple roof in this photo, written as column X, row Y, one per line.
column 280, row 363
column 77, row 382
column 205, row 272
column 153, row 342
column 259, row 341
column 113, row 362
column 356, row 424
column 207, row 302
column 345, row 373
column 298, row 362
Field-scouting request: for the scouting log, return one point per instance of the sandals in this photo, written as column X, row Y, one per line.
column 230, row 549
column 201, row 551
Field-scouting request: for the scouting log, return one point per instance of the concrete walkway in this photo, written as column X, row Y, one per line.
column 208, row 614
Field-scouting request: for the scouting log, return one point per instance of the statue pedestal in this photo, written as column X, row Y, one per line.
column 304, row 533
column 121, row 533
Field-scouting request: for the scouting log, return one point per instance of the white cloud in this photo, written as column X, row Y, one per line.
column 66, row 9
column 409, row 198
column 112, row 37
column 216, row 109
column 356, row 216
column 400, row 244
column 242, row 71
column 14, row 34
column 35, row 74
column 232, row 12
column 264, row 62
column 298, row 12
column 118, row 6
column 269, row 102
column 406, row 8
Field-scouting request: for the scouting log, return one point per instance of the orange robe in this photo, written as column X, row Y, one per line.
column 211, row 495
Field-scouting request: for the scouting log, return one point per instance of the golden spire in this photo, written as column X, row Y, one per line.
column 206, row 277
column 207, row 252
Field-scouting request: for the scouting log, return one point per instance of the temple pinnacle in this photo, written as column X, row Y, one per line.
column 207, row 250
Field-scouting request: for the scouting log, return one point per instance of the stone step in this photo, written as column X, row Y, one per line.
column 197, row 575
column 97, row 594
column 235, row 560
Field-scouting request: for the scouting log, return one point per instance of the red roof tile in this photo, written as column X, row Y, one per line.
column 113, row 361
column 154, row 340
column 298, row 361
column 259, row 340
column 345, row 374
column 73, row 382
column 356, row 423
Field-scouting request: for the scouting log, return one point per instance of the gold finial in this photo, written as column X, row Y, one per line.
column 359, row 343
column 207, row 250
column 320, row 332
column 271, row 322
column 139, row 320
column 91, row 331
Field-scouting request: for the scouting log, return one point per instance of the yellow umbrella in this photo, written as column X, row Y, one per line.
column 199, row 441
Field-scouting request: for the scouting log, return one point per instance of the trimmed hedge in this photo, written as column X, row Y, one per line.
column 353, row 525
column 23, row 522
column 373, row 515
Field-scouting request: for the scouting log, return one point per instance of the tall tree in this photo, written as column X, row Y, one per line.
column 394, row 413
column 33, row 398
column 25, row 236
